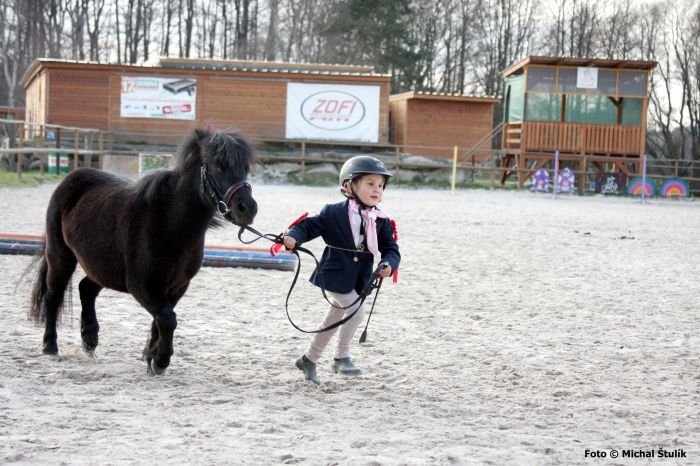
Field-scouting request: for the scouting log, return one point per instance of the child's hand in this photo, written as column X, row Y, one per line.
column 289, row 242
column 385, row 272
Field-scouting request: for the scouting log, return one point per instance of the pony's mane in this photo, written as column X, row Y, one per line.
column 225, row 150
column 149, row 187
column 222, row 149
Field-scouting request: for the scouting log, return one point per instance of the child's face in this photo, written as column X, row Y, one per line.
column 370, row 189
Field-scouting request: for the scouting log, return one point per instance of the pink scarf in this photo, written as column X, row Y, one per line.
column 370, row 217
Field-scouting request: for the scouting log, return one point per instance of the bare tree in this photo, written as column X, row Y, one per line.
column 661, row 141
column 185, row 15
column 12, row 39
column 92, row 11
column 686, row 27
column 270, row 52
column 504, row 30
column 618, row 31
column 168, row 10
column 574, row 30
column 76, row 14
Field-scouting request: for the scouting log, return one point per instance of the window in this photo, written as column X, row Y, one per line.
column 633, row 83
column 515, row 96
column 590, row 109
column 631, row 111
column 543, row 107
column 567, row 81
column 541, row 79
column 607, row 83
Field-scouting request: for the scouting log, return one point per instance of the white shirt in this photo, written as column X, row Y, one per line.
column 355, row 226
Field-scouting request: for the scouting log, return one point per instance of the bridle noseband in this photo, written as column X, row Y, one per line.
column 222, row 200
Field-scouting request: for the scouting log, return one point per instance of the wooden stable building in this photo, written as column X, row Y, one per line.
column 593, row 111
column 244, row 95
column 431, row 124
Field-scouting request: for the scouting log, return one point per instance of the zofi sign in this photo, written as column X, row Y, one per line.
column 333, row 110
column 337, row 112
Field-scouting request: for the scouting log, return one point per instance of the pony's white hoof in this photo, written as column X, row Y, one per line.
column 153, row 369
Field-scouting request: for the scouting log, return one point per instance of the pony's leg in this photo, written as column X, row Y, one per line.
column 61, row 265
column 160, row 347
column 89, row 327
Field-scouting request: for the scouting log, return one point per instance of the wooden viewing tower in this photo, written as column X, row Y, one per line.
column 590, row 110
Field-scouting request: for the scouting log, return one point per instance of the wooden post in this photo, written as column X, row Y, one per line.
column 473, row 166
column 455, row 151
column 303, row 160
column 88, row 146
column 20, row 145
column 76, row 145
column 43, row 157
column 100, row 147
column 398, row 163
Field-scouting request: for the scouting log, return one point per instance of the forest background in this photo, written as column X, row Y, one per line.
column 450, row 46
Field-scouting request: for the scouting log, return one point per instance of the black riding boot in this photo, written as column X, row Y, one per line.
column 305, row 365
column 345, row 366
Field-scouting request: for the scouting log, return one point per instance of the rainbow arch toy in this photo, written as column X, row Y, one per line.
column 675, row 187
column 637, row 184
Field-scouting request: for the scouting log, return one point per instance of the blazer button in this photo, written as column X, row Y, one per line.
column 355, row 259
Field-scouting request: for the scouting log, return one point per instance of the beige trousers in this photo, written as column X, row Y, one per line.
column 345, row 332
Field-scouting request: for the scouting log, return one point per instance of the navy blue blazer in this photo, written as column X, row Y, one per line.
column 342, row 271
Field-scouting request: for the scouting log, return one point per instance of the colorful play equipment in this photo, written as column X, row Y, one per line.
column 566, row 181
column 214, row 256
column 639, row 183
column 675, row 187
column 540, row 181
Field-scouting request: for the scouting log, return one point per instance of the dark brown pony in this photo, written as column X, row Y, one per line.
column 146, row 239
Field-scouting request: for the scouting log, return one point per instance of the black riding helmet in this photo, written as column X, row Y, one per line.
column 362, row 165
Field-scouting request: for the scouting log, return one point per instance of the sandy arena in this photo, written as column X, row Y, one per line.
column 523, row 330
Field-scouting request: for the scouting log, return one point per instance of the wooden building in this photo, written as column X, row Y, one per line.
column 431, row 124
column 593, row 111
column 11, row 113
column 244, row 95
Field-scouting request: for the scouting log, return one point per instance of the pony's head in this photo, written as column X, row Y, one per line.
column 223, row 161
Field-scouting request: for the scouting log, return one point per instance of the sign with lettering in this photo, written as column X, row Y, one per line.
column 332, row 112
column 149, row 97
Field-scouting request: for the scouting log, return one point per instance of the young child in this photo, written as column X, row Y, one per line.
column 354, row 231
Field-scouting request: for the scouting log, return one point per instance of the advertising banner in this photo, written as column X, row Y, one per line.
column 333, row 112
column 149, row 97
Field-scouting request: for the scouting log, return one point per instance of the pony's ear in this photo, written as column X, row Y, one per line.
column 201, row 134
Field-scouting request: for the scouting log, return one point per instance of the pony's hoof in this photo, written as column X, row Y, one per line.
column 50, row 350
column 153, row 369
column 89, row 351
column 89, row 346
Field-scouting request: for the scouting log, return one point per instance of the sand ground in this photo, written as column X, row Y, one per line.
column 523, row 330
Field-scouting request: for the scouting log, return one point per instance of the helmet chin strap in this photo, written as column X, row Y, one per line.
column 351, row 194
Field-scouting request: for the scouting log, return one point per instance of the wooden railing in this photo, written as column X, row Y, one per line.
column 576, row 138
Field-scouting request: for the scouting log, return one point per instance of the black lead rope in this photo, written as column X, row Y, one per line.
column 375, row 282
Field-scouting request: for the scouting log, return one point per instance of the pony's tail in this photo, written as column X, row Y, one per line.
column 37, row 305
column 37, row 308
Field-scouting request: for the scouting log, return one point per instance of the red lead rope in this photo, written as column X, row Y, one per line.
column 274, row 249
column 395, row 275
